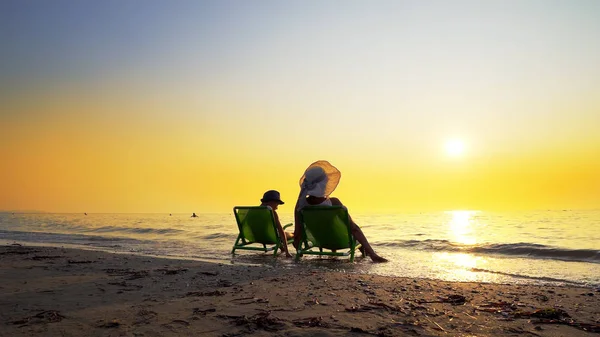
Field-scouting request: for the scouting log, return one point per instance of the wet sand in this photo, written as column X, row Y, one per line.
column 67, row 292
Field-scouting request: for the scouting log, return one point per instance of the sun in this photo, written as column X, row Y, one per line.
column 454, row 147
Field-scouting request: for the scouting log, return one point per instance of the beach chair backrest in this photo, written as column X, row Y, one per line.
column 327, row 226
column 256, row 224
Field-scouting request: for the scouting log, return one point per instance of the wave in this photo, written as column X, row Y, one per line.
column 537, row 278
column 135, row 230
column 216, row 236
column 530, row 250
column 58, row 237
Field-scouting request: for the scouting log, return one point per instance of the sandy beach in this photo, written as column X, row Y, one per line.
column 67, row 292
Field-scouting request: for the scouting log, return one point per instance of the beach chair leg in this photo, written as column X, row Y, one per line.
column 235, row 245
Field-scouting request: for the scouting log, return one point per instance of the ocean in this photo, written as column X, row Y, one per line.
column 542, row 247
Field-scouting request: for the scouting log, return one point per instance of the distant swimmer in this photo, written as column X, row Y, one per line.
column 85, row 213
column 194, row 215
column 170, row 214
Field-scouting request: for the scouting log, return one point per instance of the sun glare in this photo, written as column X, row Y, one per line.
column 461, row 227
column 454, row 147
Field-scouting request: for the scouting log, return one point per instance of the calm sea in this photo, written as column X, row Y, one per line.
column 544, row 247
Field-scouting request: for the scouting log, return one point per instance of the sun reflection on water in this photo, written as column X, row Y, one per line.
column 459, row 266
column 461, row 227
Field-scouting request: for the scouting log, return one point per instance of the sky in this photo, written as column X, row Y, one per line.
column 198, row 106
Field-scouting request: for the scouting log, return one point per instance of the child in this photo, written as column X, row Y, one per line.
column 273, row 199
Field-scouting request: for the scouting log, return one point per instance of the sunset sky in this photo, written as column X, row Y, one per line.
column 197, row 106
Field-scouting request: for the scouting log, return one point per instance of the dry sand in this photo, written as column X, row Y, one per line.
column 66, row 292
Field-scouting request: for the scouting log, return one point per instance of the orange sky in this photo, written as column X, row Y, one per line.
column 171, row 113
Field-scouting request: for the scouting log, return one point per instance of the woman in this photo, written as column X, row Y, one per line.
column 317, row 183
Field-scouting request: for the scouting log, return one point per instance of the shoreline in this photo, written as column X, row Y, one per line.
column 424, row 246
column 253, row 258
column 50, row 291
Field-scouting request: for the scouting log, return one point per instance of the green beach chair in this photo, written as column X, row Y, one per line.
column 257, row 228
column 326, row 227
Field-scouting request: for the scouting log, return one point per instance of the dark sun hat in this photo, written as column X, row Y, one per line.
column 272, row 195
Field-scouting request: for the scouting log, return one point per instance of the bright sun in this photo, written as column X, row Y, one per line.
column 454, row 147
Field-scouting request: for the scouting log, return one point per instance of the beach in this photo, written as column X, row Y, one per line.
column 53, row 291
column 461, row 137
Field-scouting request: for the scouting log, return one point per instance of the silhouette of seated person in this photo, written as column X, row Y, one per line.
column 317, row 183
column 272, row 198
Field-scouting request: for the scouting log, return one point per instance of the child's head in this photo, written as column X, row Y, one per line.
column 272, row 198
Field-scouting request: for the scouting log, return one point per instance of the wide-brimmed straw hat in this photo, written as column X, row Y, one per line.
column 320, row 179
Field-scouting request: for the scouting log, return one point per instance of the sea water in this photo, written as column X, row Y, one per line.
column 541, row 247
